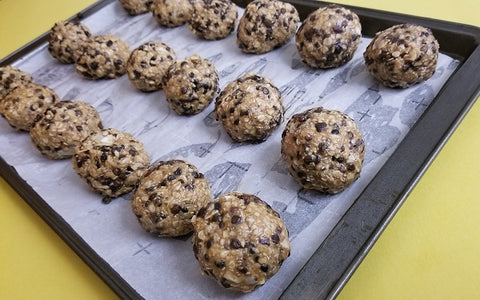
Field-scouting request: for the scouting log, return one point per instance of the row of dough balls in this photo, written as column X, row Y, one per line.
column 400, row 56
column 238, row 239
column 325, row 153
column 250, row 108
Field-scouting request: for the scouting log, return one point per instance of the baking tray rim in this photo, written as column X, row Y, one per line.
column 326, row 258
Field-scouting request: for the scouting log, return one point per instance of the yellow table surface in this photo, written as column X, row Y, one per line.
column 429, row 251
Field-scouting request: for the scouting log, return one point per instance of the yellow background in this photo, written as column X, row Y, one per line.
column 429, row 251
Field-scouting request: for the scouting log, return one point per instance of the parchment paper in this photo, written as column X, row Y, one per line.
column 163, row 268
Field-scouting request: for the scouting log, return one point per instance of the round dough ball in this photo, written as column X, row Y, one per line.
column 22, row 104
column 402, row 55
column 190, row 85
column 10, row 78
column 103, row 57
column 250, row 108
column 111, row 162
column 63, row 126
column 266, row 25
column 172, row 13
column 65, row 40
column 213, row 19
column 168, row 195
column 136, row 7
column 328, row 37
column 240, row 241
column 148, row 64
column 323, row 150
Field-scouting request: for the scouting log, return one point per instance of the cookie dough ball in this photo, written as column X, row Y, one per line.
column 402, row 55
column 190, row 85
column 65, row 39
column 22, row 104
column 10, row 78
column 148, row 64
column 172, row 13
column 250, row 108
column 63, row 126
column 103, row 57
column 213, row 19
column 266, row 25
column 240, row 241
column 328, row 37
column 136, row 7
column 323, row 150
column 167, row 197
column 111, row 162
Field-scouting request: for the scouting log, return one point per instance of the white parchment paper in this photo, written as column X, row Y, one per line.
column 162, row 268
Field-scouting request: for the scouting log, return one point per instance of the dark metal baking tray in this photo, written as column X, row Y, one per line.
column 340, row 254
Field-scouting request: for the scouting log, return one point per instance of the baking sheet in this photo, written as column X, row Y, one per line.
column 145, row 262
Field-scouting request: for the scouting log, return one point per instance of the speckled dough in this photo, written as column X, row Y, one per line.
column 65, row 40
column 402, row 55
column 328, row 37
column 250, row 108
column 213, row 19
column 63, row 126
column 136, row 7
column 148, row 64
column 10, row 78
column 240, row 241
column 191, row 85
column 172, row 13
column 103, row 57
column 22, row 104
column 323, row 150
column 111, row 162
column 266, row 25
column 167, row 197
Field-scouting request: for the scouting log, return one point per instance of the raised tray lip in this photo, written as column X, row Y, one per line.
column 357, row 231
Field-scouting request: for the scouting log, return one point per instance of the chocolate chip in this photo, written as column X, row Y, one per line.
column 320, row 126
column 209, row 243
column 235, row 243
column 236, row 219
column 275, row 238
column 264, row 241
column 201, row 212
column 175, row 209
column 264, row 267
column 243, row 269
column 220, row 264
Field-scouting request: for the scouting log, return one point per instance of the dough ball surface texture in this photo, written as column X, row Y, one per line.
column 103, row 57
column 136, row 7
column 266, row 25
column 63, row 126
column 168, row 195
column 213, row 19
column 402, row 55
column 250, row 108
column 323, row 150
column 328, row 37
column 10, row 78
column 65, row 40
column 21, row 106
column 172, row 13
column 111, row 162
column 190, row 85
column 148, row 64
column 240, row 241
